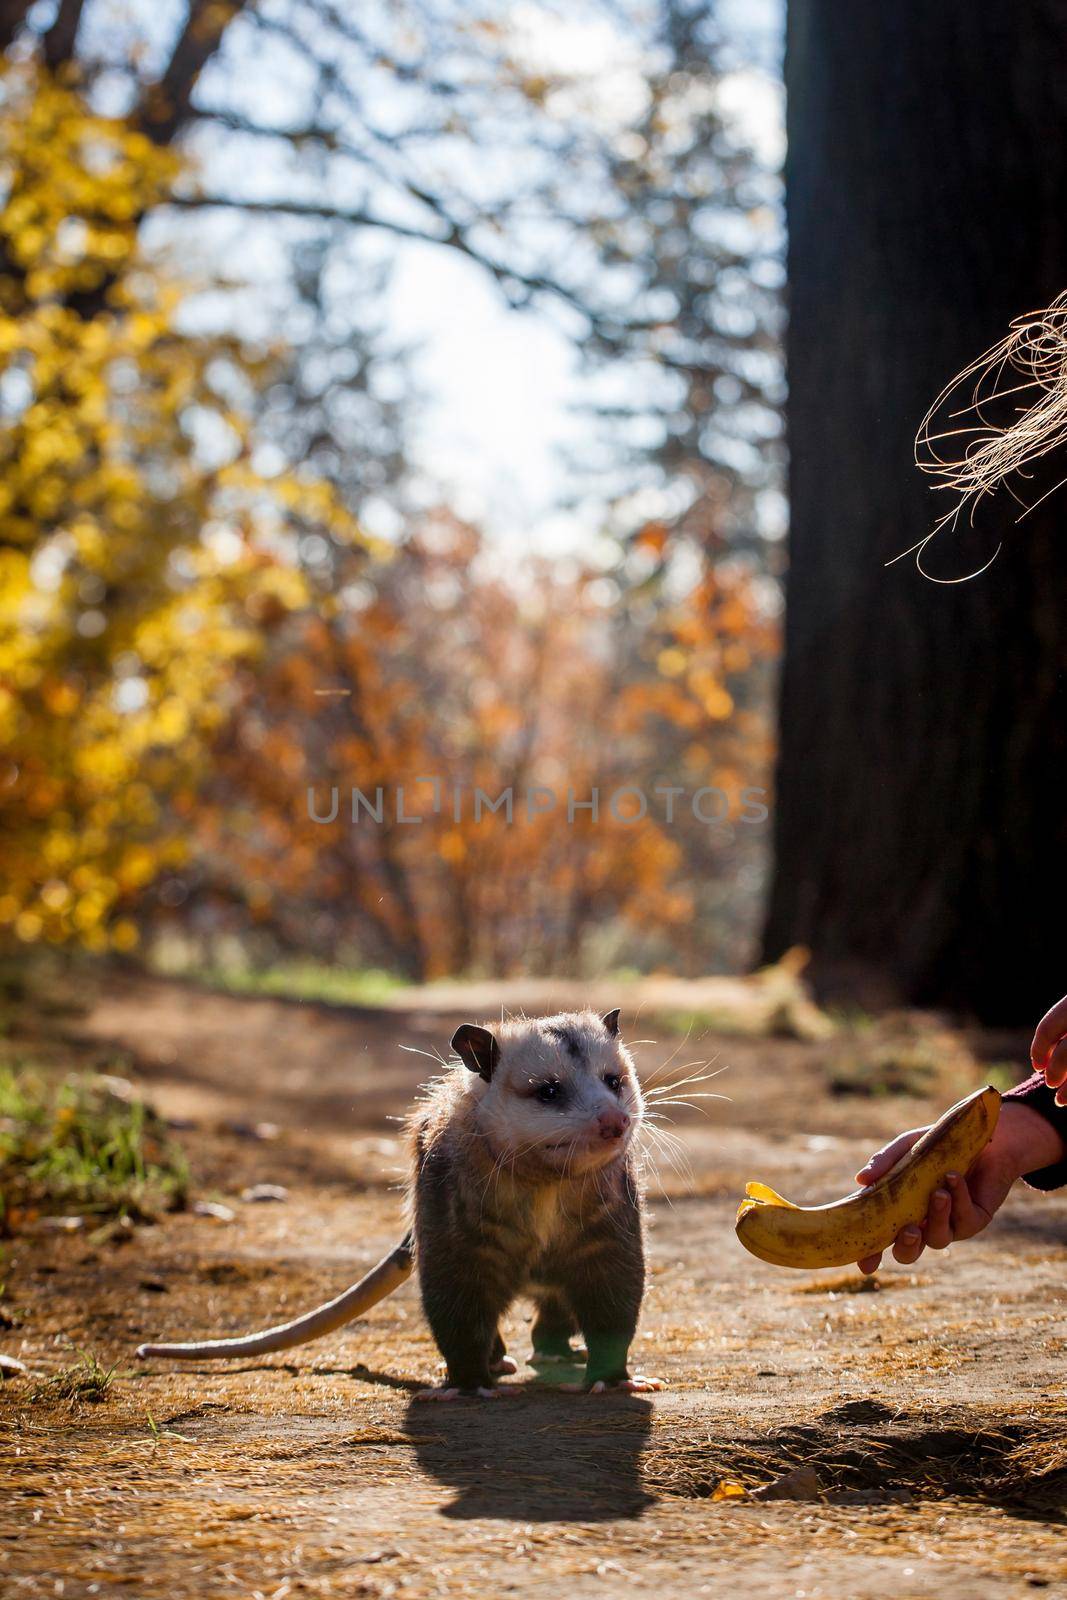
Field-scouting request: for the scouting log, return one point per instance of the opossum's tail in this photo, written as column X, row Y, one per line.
column 392, row 1270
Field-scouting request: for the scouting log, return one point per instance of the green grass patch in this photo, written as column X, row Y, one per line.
column 159, row 1435
column 79, row 1144
column 304, row 980
column 1004, row 1075
column 912, row 1069
column 903, row 1054
column 694, row 1023
column 85, row 1382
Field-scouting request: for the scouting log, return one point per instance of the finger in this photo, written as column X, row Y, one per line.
column 870, row 1264
column 938, row 1230
column 909, row 1246
column 1056, row 1070
column 967, row 1220
column 887, row 1157
column 1050, row 1030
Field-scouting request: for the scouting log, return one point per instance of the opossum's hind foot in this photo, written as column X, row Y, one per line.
column 446, row 1392
column 638, row 1384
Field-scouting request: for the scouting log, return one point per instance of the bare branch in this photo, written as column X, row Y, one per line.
column 233, row 122
column 416, row 70
column 60, row 38
column 519, row 287
column 298, row 208
column 167, row 104
column 12, row 16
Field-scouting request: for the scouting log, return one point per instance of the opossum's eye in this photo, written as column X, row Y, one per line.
column 549, row 1092
column 613, row 1081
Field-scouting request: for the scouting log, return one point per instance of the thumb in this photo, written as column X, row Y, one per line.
column 885, row 1159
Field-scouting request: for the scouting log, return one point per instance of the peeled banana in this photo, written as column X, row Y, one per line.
column 867, row 1222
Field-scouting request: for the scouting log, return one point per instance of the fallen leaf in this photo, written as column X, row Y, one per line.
column 727, row 1489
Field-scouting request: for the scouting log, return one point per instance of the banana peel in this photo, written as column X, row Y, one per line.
column 867, row 1222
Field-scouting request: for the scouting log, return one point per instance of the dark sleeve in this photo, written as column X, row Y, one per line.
column 1036, row 1093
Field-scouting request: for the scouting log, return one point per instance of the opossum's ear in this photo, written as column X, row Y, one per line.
column 610, row 1019
column 477, row 1049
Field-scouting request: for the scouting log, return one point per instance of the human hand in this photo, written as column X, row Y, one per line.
column 1048, row 1052
column 1023, row 1141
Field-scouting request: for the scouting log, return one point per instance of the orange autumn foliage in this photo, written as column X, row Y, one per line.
column 448, row 670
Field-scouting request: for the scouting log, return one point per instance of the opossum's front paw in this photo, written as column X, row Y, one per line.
column 506, row 1365
column 446, row 1392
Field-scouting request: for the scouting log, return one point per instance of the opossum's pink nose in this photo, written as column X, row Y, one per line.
column 612, row 1124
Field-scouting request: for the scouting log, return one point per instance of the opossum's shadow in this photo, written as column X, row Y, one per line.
column 541, row 1457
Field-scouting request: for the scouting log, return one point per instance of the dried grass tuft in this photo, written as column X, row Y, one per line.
column 977, row 435
column 85, row 1381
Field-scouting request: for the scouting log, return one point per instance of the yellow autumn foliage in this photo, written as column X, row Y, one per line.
column 137, row 566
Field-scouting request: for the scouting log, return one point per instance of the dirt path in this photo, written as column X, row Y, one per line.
column 932, row 1410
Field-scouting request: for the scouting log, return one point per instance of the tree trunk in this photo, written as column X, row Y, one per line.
column 921, row 822
column 12, row 16
column 58, row 43
column 167, row 104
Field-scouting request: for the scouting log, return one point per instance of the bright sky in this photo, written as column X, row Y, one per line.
column 502, row 385
column 501, row 388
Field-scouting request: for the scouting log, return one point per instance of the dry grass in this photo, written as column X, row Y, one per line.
column 904, row 1053
column 996, row 419
column 85, row 1382
column 892, row 1441
column 851, row 1282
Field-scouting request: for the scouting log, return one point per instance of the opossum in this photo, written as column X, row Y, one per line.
column 524, row 1180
